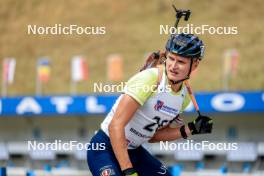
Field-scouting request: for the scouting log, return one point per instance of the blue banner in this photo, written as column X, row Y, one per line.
column 101, row 104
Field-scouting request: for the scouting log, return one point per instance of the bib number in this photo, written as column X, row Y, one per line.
column 158, row 123
column 155, row 125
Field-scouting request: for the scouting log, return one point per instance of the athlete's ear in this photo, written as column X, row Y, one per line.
column 195, row 64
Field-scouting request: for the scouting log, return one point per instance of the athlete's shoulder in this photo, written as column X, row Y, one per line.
column 148, row 76
column 150, row 72
column 140, row 86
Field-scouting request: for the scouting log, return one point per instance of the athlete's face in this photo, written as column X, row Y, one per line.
column 178, row 67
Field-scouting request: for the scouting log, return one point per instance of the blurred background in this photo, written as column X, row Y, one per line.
column 48, row 81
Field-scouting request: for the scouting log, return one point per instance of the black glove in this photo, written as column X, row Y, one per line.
column 201, row 125
column 129, row 172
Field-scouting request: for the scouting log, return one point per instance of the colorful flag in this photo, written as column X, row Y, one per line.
column 43, row 69
column 9, row 66
column 115, row 67
column 79, row 69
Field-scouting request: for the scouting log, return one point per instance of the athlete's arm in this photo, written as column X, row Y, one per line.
column 134, row 97
column 124, row 112
column 168, row 134
column 201, row 125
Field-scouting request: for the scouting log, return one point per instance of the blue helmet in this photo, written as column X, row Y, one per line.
column 186, row 45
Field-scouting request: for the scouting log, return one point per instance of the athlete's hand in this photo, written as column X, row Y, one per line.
column 130, row 172
column 201, row 125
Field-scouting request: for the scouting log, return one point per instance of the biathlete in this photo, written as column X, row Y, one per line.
column 152, row 100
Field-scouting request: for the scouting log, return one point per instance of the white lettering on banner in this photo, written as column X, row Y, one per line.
column 93, row 107
column 263, row 97
column 28, row 104
column 228, row 102
column 61, row 103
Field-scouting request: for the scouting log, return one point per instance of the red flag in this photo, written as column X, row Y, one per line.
column 234, row 64
column 79, row 69
column 9, row 66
